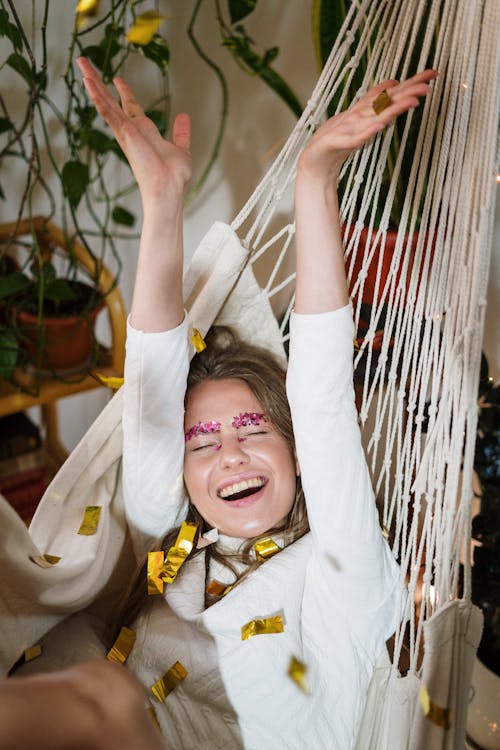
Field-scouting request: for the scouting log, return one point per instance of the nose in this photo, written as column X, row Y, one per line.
column 232, row 453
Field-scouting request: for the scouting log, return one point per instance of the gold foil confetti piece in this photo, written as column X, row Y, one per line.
column 111, row 381
column 155, row 570
column 153, row 717
column 262, row 627
column 382, row 101
column 216, row 588
column 32, row 652
column 90, row 520
column 356, row 344
column 144, row 27
column 169, row 681
column 385, row 532
column 198, row 341
column 88, row 7
column 122, row 647
column 297, row 671
column 266, row 548
column 45, row 561
column 178, row 553
column 437, row 714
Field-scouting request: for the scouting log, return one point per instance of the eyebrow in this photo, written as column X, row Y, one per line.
column 202, row 428
column 241, row 420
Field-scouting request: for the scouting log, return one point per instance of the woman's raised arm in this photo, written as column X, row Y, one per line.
column 321, row 281
column 162, row 169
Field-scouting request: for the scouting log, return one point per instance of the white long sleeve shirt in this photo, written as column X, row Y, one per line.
column 337, row 588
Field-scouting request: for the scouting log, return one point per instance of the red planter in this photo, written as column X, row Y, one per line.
column 68, row 343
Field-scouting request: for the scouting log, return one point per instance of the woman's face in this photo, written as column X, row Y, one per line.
column 239, row 471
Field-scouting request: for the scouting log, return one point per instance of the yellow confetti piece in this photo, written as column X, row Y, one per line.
column 87, row 7
column 144, row 27
column 385, row 532
column 169, row 681
column 198, row 340
column 266, row 548
column 297, row 671
column 113, row 382
column 262, row 627
column 45, row 561
column 178, row 553
column 122, row 647
column 163, row 569
column 32, row 652
column 216, row 588
column 438, row 715
column 155, row 571
column 90, row 520
column 356, row 344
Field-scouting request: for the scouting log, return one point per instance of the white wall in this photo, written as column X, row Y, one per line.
column 257, row 125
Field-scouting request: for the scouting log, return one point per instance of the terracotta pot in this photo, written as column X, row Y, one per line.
column 68, row 342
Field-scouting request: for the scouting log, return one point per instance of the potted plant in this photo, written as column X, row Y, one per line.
column 66, row 159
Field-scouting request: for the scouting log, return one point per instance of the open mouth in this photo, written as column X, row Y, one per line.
column 243, row 489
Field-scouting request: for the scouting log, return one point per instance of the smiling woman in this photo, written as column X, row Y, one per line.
column 241, row 601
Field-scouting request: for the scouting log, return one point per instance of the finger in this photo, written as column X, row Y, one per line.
column 129, row 103
column 181, row 131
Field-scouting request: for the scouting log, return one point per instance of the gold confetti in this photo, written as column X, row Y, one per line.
column 87, row 7
column 90, row 520
column 385, row 532
column 163, row 569
column 178, row 553
column 382, row 101
column 438, row 715
column 297, row 671
column 262, row 627
column 112, row 381
column 198, row 340
column 45, row 561
column 144, row 27
column 155, row 570
column 266, row 548
column 32, row 652
column 122, row 647
column 216, row 588
column 169, row 681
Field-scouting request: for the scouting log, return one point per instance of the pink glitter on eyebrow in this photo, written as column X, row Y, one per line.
column 248, row 418
column 202, row 428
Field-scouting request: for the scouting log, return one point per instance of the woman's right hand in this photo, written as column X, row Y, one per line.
column 159, row 166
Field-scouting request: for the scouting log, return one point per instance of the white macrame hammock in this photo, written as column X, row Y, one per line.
column 419, row 396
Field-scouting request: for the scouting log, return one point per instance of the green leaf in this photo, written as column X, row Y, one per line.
column 96, row 54
column 9, row 352
column 20, row 65
column 75, row 180
column 99, row 141
column 59, row 289
column 122, row 216
column 157, row 51
column 10, row 30
column 160, row 119
column 13, row 283
column 239, row 9
column 5, row 124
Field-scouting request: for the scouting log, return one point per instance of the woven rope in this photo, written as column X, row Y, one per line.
column 418, row 406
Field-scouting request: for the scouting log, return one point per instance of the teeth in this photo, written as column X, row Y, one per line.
column 241, row 486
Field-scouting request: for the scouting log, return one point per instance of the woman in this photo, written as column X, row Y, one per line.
column 222, row 675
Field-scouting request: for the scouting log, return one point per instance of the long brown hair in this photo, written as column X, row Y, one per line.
column 227, row 356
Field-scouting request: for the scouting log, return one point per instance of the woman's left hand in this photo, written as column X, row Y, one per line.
column 337, row 138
